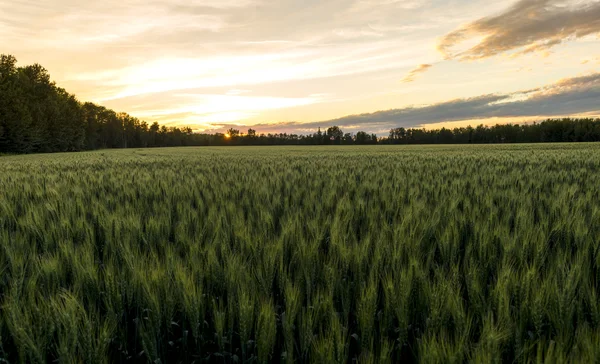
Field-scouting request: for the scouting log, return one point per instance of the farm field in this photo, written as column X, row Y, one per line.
column 372, row 254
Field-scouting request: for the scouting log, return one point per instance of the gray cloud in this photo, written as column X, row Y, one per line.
column 571, row 96
column 529, row 25
column 410, row 77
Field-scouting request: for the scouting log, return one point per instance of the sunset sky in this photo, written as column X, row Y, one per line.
column 295, row 65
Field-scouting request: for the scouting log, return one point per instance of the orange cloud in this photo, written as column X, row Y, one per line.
column 410, row 77
column 535, row 25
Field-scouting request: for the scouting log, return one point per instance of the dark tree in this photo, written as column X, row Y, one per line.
column 335, row 134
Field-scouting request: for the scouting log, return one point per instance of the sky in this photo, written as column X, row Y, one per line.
column 297, row 65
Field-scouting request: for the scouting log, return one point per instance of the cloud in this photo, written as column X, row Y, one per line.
column 568, row 96
column 572, row 96
column 93, row 24
column 365, row 5
column 180, row 73
column 199, row 109
column 118, row 49
column 410, row 77
column 591, row 60
column 528, row 26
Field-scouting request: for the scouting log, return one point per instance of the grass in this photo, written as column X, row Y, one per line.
column 434, row 254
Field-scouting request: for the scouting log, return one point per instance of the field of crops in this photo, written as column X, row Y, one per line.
column 433, row 254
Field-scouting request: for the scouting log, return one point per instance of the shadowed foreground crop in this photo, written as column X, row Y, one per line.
column 381, row 254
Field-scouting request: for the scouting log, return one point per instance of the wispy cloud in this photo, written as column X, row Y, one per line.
column 201, row 110
column 66, row 24
column 181, row 73
column 410, row 77
column 526, row 27
column 592, row 60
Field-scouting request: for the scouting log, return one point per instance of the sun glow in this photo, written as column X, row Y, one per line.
column 197, row 109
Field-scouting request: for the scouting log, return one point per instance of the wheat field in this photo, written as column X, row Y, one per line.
column 373, row 254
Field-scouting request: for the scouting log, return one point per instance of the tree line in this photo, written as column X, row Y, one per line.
column 549, row 131
column 37, row 116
